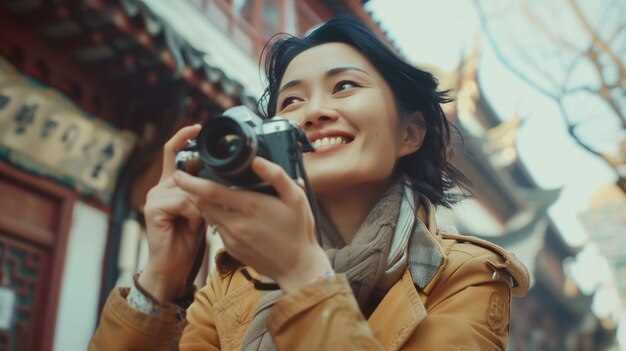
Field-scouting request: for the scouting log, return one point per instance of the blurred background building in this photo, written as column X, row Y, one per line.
column 89, row 92
column 509, row 209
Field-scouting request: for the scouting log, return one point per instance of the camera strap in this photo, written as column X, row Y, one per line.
column 185, row 300
column 259, row 285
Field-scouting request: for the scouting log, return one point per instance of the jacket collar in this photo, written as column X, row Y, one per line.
column 393, row 322
column 427, row 256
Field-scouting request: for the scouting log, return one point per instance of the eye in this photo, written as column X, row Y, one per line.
column 343, row 85
column 289, row 100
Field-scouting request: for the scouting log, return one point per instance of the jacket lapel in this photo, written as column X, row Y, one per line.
column 402, row 309
column 397, row 315
column 234, row 312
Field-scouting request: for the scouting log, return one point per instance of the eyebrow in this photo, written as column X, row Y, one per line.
column 331, row 72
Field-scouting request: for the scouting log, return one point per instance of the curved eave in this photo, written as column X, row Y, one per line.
column 188, row 62
column 490, row 186
column 537, row 201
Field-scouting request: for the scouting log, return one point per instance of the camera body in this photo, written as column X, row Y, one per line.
column 226, row 145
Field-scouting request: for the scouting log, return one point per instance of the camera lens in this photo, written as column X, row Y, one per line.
column 226, row 146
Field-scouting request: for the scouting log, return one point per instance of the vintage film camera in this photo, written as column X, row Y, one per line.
column 226, row 145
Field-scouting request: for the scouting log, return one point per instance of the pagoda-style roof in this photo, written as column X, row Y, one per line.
column 488, row 156
column 512, row 204
column 99, row 52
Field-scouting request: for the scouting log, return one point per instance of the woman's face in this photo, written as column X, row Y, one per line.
column 347, row 110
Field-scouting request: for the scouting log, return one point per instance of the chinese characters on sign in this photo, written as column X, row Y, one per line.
column 43, row 132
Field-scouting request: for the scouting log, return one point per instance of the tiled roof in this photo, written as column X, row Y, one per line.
column 124, row 41
column 186, row 56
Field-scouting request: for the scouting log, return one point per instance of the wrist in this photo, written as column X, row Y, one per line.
column 141, row 301
column 158, row 287
column 308, row 271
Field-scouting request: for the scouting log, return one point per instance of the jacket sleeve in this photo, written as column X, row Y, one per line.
column 121, row 327
column 321, row 316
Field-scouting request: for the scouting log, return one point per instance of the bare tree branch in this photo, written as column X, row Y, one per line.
column 598, row 41
column 617, row 32
column 583, row 89
column 571, row 129
column 571, row 66
column 608, row 88
column 541, row 69
column 604, row 91
column 502, row 58
column 614, row 106
column 543, row 28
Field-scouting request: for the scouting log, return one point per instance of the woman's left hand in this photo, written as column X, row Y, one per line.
column 275, row 235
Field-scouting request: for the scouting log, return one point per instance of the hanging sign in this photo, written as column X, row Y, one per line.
column 42, row 131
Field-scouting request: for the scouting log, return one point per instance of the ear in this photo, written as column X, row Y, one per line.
column 413, row 132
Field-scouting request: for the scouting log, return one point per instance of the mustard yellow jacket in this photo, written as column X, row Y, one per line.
column 463, row 305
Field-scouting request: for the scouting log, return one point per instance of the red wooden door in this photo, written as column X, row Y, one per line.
column 35, row 215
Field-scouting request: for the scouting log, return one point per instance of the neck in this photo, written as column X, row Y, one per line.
column 349, row 207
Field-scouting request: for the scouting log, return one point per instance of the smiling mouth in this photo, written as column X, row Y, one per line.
column 328, row 141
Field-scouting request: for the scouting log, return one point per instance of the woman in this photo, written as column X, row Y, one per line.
column 383, row 277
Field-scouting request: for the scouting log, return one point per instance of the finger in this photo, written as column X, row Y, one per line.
column 174, row 205
column 168, row 187
column 218, row 213
column 164, row 183
column 287, row 189
column 175, row 193
column 175, row 144
column 210, row 191
column 227, row 240
column 192, row 215
column 231, row 241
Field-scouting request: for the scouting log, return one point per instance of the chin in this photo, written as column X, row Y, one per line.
column 334, row 184
column 324, row 183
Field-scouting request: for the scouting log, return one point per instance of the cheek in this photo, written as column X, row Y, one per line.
column 383, row 146
column 378, row 155
column 366, row 105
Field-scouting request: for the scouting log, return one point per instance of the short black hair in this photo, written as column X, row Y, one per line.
column 429, row 168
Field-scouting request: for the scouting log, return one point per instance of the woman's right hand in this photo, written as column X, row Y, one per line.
column 173, row 226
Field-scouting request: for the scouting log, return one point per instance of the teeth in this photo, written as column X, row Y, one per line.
column 328, row 141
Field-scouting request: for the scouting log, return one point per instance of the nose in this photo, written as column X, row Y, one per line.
column 318, row 113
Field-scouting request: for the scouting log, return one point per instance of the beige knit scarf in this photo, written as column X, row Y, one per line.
column 373, row 262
